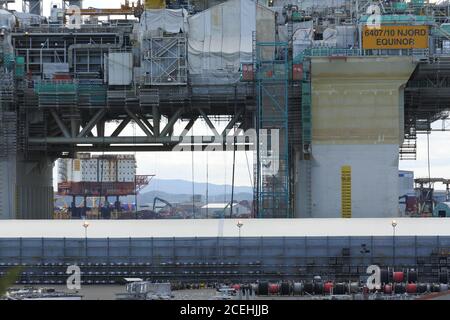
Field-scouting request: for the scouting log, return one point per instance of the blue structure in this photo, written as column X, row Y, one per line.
column 109, row 260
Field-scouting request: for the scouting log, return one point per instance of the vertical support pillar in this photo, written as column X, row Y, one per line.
column 156, row 121
column 117, row 204
column 84, row 207
column 74, row 127
column 107, row 209
column 73, row 206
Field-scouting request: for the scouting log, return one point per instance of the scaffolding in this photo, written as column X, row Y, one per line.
column 8, row 118
column 166, row 59
column 84, row 93
column 272, row 158
column 306, row 128
column 56, row 93
column 306, row 109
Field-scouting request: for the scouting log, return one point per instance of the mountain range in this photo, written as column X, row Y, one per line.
column 185, row 187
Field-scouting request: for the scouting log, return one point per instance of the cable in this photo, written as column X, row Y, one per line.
column 234, row 156
column 101, row 181
column 192, row 175
column 225, row 179
column 135, row 185
column 428, row 159
column 232, row 176
column 207, row 183
column 248, row 169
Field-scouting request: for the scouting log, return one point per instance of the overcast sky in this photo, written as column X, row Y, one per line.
column 176, row 165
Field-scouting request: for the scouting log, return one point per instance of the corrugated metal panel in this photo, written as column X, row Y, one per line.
column 120, row 68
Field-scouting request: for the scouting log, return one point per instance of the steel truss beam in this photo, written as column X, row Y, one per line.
column 93, row 122
column 120, row 127
column 60, row 124
column 139, row 123
column 61, row 138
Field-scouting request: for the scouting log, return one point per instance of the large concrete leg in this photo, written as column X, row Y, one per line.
column 357, row 122
column 26, row 187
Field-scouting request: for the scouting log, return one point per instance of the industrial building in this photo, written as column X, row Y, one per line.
column 99, row 176
column 341, row 102
column 222, row 210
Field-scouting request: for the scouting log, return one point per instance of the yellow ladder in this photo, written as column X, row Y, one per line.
column 346, row 191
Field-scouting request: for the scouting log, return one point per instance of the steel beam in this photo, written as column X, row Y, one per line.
column 140, row 148
column 171, row 122
column 121, row 126
column 119, row 140
column 189, row 125
column 232, row 122
column 60, row 124
column 147, row 123
column 96, row 118
column 208, row 122
column 101, row 128
column 156, row 120
column 138, row 122
column 74, row 127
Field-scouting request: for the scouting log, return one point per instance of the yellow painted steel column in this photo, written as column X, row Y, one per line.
column 346, row 192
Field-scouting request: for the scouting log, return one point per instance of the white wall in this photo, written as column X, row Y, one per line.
column 357, row 121
column 374, row 180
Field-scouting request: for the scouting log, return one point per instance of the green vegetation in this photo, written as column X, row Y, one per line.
column 9, row 279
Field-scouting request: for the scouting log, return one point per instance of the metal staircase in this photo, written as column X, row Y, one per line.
column 408, row 149
column 166, row 57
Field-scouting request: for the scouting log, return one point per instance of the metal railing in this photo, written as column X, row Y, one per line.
column 337, row 52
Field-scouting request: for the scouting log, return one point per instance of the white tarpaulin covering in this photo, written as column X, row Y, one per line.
column 220, row 38
column 7, row 20
column 49, row 69
column 302, row 39
column 27, row 19
column 168, row 20
column 329, row 39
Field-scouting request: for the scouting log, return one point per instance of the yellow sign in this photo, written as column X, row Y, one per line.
column 346, row 191
column 395, row 37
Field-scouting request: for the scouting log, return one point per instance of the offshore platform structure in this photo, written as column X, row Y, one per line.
column 60, row 85
column 341, row 102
